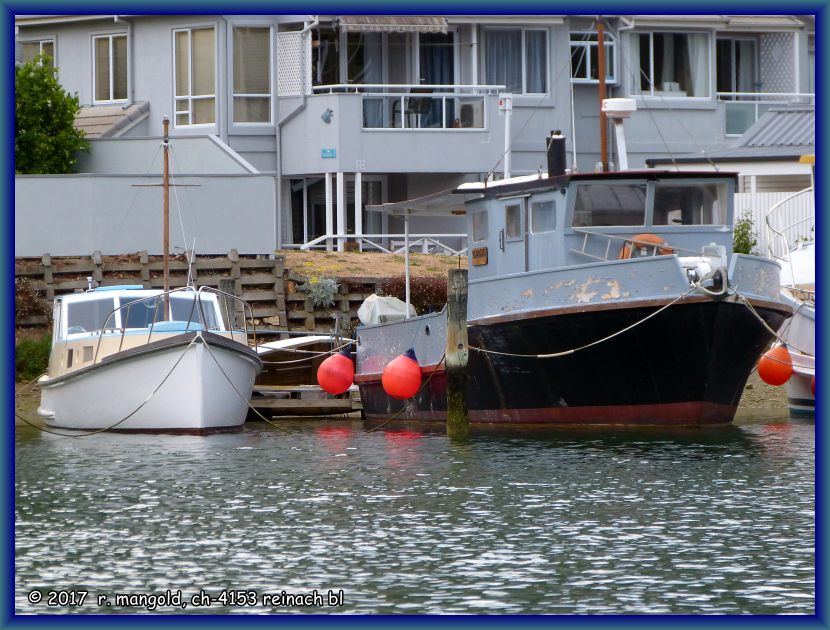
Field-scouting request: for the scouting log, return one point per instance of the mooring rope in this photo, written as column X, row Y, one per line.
column 411, row 399
column 125, row 418
column 554, row 355
column 772, row 331
column 246, row 400
column 314, row 355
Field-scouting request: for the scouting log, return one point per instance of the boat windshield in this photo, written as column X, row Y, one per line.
column 88, row 315
column 610, row 204
column 138, row 313
column 689, row 204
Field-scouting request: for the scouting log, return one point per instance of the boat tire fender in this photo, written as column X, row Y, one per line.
column 646, row 239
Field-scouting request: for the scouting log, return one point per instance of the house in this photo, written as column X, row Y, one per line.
column 291, row 125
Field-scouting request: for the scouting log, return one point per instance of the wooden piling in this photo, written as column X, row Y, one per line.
column 458, row 423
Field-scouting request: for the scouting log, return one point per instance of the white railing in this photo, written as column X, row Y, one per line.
column 789, row 222
column 743, row 109
column 426, row 243
column 419, row 106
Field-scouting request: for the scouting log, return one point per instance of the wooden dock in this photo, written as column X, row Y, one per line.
column 300, row 400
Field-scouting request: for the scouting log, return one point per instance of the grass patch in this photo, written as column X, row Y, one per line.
column 31, row 357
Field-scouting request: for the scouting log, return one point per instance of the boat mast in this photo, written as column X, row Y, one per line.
column 603, row 125
column 166, row 193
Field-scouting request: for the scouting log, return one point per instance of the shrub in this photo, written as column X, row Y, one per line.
column 29, row 302
column 31, row 357
column 321, row 291
column 744, row 238
column 426, row 293
column 45, row 137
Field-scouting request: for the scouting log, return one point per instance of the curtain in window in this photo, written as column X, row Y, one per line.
column 745, row 64
column 251, row 75
column 503, row 58
column 436, row 57
column 698, row 53
column 102, row 69
column 119, row 70
column 640, row 64
column 202, row 62
column 536, row 63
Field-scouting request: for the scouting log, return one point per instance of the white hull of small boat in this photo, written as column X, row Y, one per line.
column 800, row 334
column 195, row 382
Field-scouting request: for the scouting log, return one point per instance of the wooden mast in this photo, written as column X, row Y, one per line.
column 603, row 124
column 166, row 193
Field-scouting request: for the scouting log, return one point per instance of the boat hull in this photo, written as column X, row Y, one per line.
column 687, row 365
column 191, row 383
column 800, row 334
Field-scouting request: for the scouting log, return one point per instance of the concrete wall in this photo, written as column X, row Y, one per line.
column 66, row 215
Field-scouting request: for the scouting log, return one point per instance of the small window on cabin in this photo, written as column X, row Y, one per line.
column 480, row 226
column 89, row 315
column 600, row 205
column 689, row 204
column 543, row 216
column 513, row 222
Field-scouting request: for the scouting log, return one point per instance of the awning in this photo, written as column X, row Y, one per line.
column 393, row 23
column 443, row 203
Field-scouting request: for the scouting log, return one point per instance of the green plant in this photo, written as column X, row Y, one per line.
column 744, row 238
column 45, row 138
column 31, row 357
column 426, row 293
column 321, row 291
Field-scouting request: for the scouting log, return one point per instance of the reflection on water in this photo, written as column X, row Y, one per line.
column 590, row 521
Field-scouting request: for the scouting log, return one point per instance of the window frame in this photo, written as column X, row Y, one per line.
column 111, row 66
column 654, row 94
column 733, row 40
column 522, row 31
column 271, row 79
column 189, row 98
column 40, row 42
column 591, row 47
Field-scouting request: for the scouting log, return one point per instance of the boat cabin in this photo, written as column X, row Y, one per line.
column 535, row 223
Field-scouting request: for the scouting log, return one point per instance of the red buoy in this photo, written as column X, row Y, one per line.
column 336, row 374
column 402, row 376
column 776, row 366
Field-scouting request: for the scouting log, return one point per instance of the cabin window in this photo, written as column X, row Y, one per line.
column 138, row 313
column 480, row 226
column 45, row 47
column 670, row 64
column 513, row 222
column 194, row 52
column 109, row 67
column 610, row 204
column 251, row 75
column 89, row 315
column 187, row 309
column 685, row 204
column 585, row 57
column 517, row 58
column 543, row 216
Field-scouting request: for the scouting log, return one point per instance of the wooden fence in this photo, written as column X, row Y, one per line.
column 262, row 281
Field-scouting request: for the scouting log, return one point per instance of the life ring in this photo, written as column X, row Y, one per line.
column 640, row 240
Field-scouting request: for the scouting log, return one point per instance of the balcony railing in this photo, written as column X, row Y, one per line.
column 420, row 107
column 743, row 109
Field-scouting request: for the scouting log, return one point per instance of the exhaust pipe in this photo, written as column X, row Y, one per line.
column 557, row 161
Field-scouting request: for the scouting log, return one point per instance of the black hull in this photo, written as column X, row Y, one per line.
column 688, row 365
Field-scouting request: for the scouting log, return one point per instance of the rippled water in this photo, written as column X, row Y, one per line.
column 600, row 522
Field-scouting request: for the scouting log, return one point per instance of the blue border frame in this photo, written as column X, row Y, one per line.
column 9, row 9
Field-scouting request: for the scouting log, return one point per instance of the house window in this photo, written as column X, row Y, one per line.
column 31, row 50
column 585, row 57
column 737, row 65
column 109, row 68
column 195, row 76
column 251, row 75
column 518, row 59
column 670, row 64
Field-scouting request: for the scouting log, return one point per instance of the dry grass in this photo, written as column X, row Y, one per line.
column 368, row 264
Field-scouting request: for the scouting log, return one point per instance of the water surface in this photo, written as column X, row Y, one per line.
column 580, row 522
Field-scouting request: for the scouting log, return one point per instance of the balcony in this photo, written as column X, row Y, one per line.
column 743, row 109
column 395, row 128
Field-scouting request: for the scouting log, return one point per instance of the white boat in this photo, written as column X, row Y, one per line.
column 126, row 358
column 792, row 243
column 117, row 363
